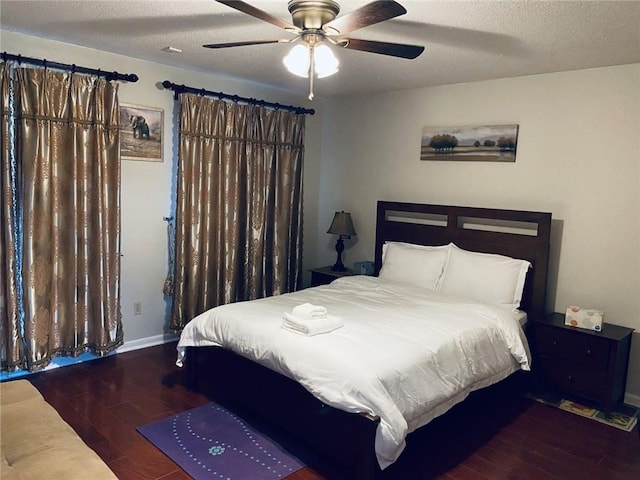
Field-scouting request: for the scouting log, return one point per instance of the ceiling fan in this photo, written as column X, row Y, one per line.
column 315, row 24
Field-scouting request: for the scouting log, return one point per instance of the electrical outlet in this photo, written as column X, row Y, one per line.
column 137, row 308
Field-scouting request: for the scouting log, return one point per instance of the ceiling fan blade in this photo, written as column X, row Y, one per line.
column 259, row 14
column 385, row 48
column 370, row 14
column 242, row 44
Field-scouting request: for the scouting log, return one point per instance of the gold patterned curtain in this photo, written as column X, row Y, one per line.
column 68, row 193
column 239, row 205
column 11, row 351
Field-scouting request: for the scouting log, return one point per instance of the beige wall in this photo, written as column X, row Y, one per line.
column 578, row 157
column 147, row 186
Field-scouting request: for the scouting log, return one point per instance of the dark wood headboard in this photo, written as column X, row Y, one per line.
column 514, row 233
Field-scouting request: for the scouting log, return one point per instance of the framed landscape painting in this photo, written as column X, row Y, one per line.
column 141, row 133
column 485, row 143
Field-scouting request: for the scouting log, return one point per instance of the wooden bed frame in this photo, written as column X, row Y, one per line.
column 349, row 438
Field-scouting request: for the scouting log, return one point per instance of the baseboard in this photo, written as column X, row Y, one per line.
column 147, row 342
column 632, row 399
column 629, row 398
column 87, row 357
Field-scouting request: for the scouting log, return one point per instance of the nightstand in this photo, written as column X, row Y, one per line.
column 583, row 363
column 324, row 275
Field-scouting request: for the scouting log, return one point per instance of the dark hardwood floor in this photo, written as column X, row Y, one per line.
column 496, row 434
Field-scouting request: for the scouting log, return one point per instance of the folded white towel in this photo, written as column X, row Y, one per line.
column 311, row 327
column 308, row 311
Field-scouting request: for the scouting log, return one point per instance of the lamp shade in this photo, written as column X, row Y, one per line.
column 299, row 59
column 297, row 62
column 326, row 64
column 342, row 225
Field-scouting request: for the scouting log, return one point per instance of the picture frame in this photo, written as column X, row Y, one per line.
column 484, row 143
column 141, row 133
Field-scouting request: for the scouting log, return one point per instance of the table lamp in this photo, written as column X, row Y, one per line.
column 342, row 225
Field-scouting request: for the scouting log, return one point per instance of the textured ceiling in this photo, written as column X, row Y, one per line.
column 465, row 41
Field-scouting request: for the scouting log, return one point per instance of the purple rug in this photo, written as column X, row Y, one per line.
column 210, row 442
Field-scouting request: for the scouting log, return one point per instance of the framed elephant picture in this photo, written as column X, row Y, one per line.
column 141, row 133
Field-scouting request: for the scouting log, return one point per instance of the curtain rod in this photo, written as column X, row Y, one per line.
column 234, row 98
column 128, row 77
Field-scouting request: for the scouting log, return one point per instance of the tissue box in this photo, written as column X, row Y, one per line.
column 584, row 318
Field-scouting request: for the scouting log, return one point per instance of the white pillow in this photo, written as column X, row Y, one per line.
column 485, row 277
column 418, row 265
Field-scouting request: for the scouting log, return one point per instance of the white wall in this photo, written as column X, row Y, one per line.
column 578, row 157
column 147, row 187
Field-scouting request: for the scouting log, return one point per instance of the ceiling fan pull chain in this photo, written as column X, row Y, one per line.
column 312, row 69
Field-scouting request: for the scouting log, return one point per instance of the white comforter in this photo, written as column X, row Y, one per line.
column 405, row 354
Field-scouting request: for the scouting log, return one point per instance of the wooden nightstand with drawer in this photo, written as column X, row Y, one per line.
column 324, row 275
column 583, row 363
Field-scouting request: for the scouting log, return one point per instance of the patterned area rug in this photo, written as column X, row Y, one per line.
column 625, row 419
column 212, row 442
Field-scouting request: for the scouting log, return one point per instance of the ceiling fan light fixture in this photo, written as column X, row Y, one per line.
column 298, row 61
column 326, row 63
